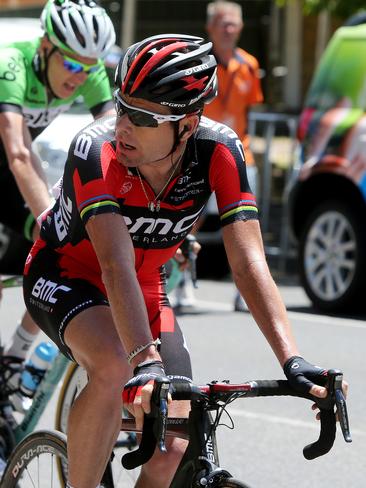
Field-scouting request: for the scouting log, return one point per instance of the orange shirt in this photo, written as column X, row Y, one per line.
column 238, row 88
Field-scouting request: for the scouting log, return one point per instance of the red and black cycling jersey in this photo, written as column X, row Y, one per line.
column 94, row 182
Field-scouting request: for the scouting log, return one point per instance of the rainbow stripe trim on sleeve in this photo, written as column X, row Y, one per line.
column 97, row 202
column 240, row 206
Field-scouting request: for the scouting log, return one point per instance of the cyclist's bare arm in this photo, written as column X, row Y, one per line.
column 117, row 261
column 23, row 162
column 116, row 258
column 244, row 248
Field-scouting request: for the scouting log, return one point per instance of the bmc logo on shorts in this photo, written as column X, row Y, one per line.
column 46, row 290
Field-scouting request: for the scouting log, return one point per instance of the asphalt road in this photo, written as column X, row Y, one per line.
column 265, row 448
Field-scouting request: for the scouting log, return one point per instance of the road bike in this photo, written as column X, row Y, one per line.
column 33, row 462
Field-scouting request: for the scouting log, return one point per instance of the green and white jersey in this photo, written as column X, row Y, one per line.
column 22, row 89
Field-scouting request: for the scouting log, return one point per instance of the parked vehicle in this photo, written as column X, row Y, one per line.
column 327, row 201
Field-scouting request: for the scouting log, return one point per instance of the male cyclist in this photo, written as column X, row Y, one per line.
column 132, row 189
column 39, row 79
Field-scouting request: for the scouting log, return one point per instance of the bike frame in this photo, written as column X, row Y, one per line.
column 46, row 387
column 201, row 456
column 43, row 394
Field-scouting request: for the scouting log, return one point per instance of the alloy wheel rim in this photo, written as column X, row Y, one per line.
column 330, row 256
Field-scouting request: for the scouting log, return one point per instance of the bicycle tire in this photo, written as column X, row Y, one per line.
column 67, row 396
column 231, row 483
column 74, row 379
column 25, row 468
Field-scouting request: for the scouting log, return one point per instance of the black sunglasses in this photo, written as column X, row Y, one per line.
column 141, row 117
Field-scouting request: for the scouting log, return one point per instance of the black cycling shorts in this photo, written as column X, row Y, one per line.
column 53, row 299
column 14, row 212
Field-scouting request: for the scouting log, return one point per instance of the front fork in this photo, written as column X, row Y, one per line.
column 200, row 463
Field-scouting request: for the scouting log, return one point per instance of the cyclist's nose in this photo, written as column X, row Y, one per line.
column 80, row 78
column 123, row 124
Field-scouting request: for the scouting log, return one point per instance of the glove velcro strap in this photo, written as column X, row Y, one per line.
column 146, row 364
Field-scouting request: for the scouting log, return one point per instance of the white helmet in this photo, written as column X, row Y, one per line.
column 78, row 26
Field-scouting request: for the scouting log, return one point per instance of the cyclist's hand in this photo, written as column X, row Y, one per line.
column 138, row 390
column 181, row 259
column 306, row 377
column 345, row 393
column 182, row 256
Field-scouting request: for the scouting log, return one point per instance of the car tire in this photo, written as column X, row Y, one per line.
column 332, row 257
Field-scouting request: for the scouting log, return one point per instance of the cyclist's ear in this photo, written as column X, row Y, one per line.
column 185, row 129
column 189, row 126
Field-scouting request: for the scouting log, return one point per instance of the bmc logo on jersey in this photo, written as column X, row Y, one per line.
column 46, row 290
column 63, row 217
column 160, row 226
column 85, row 139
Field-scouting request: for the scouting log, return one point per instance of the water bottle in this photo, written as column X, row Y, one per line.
column 40, row 360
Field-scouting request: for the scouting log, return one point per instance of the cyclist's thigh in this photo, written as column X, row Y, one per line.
column 164, row 325
column 54, row 299
column 95, row 344
column 13, row 211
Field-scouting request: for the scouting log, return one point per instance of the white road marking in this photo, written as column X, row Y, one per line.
column 274, row 419
column 313, row 318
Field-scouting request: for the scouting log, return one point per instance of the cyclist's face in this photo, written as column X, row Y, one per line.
column 62, row 79
column 140, row 145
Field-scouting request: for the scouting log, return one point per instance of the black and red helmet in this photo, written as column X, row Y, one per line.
column 174, row 70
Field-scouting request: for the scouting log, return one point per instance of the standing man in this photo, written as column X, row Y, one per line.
column 39, row 79
column 238, row 83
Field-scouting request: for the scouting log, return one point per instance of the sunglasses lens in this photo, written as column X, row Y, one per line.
column 73, row 67
column 93, row 69
column 139, row 119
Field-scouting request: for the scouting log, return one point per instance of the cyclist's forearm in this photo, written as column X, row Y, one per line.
column 31, row 182
column 24, row 163
column 265, row 303
column 129, row 312
column 113, row 246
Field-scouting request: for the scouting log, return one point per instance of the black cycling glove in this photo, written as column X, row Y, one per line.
column 303, row 375
column 145, row 373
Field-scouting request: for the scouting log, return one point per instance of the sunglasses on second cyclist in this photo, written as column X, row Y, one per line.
column 141, row 117
column 75, row 66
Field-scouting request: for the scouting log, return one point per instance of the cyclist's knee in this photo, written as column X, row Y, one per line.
column 109, row 372
column 162, row 466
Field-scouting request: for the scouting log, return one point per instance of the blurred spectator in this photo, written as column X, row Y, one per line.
column 238, row 83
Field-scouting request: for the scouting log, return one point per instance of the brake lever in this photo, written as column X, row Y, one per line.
column 341, row 406
column 161, row 400
column 336, row 398
column 154, row 428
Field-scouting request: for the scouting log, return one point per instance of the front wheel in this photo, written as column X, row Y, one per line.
column 74, row 382
column 231, row 483
column 33, row 463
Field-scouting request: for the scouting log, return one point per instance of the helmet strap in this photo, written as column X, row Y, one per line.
column 176, row 136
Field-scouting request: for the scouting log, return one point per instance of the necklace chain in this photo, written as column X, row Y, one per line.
column 154, row 205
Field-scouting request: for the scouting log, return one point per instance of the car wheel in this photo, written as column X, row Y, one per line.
column 333, row 257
